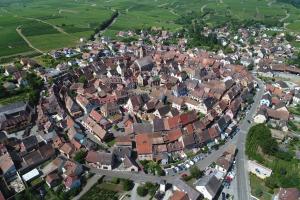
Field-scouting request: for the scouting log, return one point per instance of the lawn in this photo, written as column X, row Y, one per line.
column 258, row 188
column 103, row 191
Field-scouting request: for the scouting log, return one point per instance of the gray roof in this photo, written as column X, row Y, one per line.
column 144, row 61
column 211, row 183
column 13, row 108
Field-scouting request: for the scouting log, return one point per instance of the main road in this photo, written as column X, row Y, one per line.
column 243, row 184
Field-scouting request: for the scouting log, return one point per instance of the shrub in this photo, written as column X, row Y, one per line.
column 196, row 172
column 142, row 191
column 127, row 184
column 115, row 180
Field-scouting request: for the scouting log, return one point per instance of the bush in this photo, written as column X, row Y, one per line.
column 142, row 191
column 79, row 156
column 196, row 172
column 187, row 178
column 151, row 188
column 115, row 180
column 127, row 184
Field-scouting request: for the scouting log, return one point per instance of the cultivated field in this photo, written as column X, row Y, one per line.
column 49, row 24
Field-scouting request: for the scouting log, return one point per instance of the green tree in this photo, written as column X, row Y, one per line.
column 79, row 156
column 82, row 79
column 196, row 172
column 142, row 191
column 127, row 184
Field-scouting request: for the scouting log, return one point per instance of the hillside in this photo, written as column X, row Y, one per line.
column 30, row 25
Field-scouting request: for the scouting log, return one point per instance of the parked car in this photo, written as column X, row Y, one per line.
column 187, row 166
column 190, row 162
column 195, row 159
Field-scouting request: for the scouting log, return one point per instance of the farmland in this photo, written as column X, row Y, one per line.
column 50, row 24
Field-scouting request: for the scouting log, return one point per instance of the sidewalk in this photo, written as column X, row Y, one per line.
column 90, row 183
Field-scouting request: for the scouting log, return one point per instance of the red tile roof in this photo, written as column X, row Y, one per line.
column 143, row 143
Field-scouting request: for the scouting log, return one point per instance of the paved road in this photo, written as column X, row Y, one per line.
column 242, row 175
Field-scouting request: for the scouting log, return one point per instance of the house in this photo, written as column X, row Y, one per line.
column 177, row 102
column 16, row 116
column 208, row 186
column 288, row 194
column 73, row 108
column 180, row 90
column 67, row 149
column 10, row 70
column 100, row 160
column 144, row 146
column 145, row 63
column 194, row 105
column 71, row 168
column 71, row 182
column 52, row 180
column 259, row 170
column 179, row 195
column 123, row 140
column 29, row 143
column 266, row 99
column 84, row 103
column 224, row 162
column 130, row 165
column 188, row 141
column 134, row 103
column 55, row 166
column 121, row 152
column 282, row 115
column 95, row 128
column 109, row 109
column 36, row 157
column 7, row 166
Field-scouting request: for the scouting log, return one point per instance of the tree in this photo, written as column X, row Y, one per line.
column 196, row 172
column 250, row 67
column 82, row 79
column 142, row 191
column 127, row 184
column 79, row 156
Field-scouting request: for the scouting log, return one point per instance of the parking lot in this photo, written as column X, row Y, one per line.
column 184, row 166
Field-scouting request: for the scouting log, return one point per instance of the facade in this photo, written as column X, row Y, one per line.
column 14, row 117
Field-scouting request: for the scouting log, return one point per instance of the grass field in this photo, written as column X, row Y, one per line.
column 49, row 24
column 258, row 188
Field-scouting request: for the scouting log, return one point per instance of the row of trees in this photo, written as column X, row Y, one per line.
column 105, row 24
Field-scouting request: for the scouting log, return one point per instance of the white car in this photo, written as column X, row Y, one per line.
column 196, row 159
column 191, row 162
column 187, row 166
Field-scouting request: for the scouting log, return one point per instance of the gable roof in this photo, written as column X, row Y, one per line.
column 102, row 158
column 144, row 143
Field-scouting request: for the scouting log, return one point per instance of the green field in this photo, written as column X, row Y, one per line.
column 50, row 24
